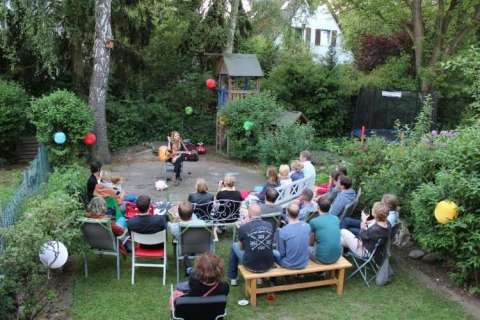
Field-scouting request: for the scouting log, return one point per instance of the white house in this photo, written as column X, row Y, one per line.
column 320, row 31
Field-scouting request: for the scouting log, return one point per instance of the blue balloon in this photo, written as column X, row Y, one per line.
column 59, row 137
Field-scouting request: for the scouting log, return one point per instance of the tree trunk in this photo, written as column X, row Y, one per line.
column 99, row 80
column 233, row 26
column 418, row 34
column 77, row 67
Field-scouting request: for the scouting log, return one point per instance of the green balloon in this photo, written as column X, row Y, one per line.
column 248, row 125
column 188, row 110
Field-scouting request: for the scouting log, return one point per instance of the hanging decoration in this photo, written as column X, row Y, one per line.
column 248, row 125
column 90, row 138
column 188, row 110
column 59, row 137
column 211, row 83
column 445, row 211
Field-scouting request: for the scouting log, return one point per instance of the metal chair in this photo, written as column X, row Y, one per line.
column 139, row 252
column 199, row 308
column 274, row 219
column 194, row 240
column 99, row 236
column 364, row 263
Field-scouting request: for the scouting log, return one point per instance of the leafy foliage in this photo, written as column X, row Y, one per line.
column 313, row 89
column 262, row 110
column 52, row 215
column 284, row 143
column 61, row 111
column 14, row 104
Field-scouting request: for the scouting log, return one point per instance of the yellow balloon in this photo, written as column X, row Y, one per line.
column 445, row 211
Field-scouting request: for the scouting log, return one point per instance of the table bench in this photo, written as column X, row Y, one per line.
column 336, row 272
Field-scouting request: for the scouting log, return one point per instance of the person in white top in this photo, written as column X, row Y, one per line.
column 308, row 168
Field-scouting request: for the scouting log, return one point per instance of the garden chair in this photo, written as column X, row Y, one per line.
column 350, row 208
column 99, row 236
column 366, row 264
column 194, row 240
column 203, row 210
column 274, row 219
column 199, row 308
column 139, row 239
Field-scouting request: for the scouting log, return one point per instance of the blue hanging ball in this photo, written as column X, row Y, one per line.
column 59, row 137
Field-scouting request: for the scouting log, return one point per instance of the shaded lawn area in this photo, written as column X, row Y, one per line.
column 9, row 181
column 101, row 296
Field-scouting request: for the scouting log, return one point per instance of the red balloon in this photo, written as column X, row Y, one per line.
column 211, row 83
column 90, row 138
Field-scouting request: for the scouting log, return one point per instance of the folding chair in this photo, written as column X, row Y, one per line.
column 362, row 264
column 99, row 236
column 199, row 308
column 139, row 239
column 194, row 240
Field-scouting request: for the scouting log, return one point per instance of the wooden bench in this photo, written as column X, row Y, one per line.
column 336, row 272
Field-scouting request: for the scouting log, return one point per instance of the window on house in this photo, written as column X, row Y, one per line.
column 299, row 33
column 325, row 37
column 308, row 35
column 317, row 37
column 334, row 39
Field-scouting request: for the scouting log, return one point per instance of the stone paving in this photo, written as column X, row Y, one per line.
column 141, row 169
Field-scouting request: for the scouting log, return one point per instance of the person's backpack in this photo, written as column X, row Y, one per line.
column 385, row 273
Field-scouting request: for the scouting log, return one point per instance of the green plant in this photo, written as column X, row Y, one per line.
column 62, row 111
column 262, row 110
column 278, row 147
column 14, row 104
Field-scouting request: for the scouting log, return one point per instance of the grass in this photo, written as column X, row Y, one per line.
column 101, row 296
column 9, row 181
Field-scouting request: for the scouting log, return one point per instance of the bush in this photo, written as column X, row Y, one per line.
column 62, row 111
column 313, row 89
column 262, row 110
column 281, row 145
column 52, row 215
column 14, row 104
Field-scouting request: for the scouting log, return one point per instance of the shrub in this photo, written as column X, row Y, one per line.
column 262, row 110
column 14, row 104
column 282, row 144
column 313, row 89
column 62, row 111
column 52, row 215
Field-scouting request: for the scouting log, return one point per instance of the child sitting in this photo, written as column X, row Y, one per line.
column 284, row 174
column 297, row 170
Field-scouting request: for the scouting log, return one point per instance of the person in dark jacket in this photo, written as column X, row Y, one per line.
column 95, row 169
column 370, row 233
column 206, row 277
column 202, row 195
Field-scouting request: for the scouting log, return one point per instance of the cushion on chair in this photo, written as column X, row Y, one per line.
column 151, row 253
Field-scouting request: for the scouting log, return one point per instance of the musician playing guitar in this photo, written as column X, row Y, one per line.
column 176, row 154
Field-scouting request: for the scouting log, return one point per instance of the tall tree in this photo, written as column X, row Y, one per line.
column 99, row 80
column 437, row 28
column 232, row 25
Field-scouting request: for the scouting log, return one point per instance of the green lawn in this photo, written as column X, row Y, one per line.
column 101, row 296
column 9, row 181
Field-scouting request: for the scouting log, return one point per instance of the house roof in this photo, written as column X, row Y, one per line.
column 242, row 65
column 287, row 118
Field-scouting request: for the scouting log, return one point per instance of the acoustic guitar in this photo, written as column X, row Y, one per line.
column 164, row 153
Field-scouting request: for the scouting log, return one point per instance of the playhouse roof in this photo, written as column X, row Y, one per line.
column 241, row 65
column 290, row 117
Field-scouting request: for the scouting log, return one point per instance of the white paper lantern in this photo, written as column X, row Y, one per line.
column 53, row 254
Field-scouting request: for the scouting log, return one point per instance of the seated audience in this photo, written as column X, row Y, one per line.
column 391, row 201
column 292, row 242
column 185, row 217
column 144, row 222
column 226, row 189
column 325, row 235
column 95, row 169
column 269, row 206
column 369, row 235
column 254, row 246
column 106, row 189
column 308, row 168
column 272, row 182
column 297, row 170
column 334, row 185
column 284, row 174
column 306, row 204
column 202, row 195
column 344, row 197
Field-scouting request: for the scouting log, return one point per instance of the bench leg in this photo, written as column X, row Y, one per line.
column 253, row 293
column 340, row 281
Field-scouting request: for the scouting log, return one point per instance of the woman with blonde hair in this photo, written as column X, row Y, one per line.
column 201, row 196
column 176, row 148
column 226, row 189
column 284, row 174
column 297, row 170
